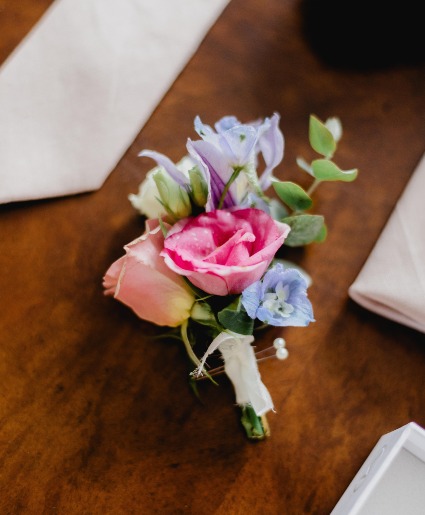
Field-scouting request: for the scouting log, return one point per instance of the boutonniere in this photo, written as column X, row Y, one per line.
column 210, row 265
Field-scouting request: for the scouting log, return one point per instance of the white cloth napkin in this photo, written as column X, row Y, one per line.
column 78, row 89
column 392, row 281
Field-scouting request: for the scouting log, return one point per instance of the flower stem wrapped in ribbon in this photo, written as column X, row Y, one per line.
column 208, row 263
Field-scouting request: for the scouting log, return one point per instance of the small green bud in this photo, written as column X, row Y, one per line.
column 199, row 187
column 203, row 314
column 174, row 198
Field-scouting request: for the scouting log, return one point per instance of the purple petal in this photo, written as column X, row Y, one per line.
column 271, row 145
column 226, row 123
column 239, row 143
column 251, row 299
column 253, row 296
column 218, row 168
column 169, row 166
column 209, row 206
column 204, row 130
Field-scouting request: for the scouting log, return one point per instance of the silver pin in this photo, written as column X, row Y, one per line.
column 279, row 351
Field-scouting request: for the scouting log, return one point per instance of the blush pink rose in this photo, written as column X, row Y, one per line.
column 222, row 252
column 141, row 280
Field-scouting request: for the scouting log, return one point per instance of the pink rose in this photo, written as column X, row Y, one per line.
column 142, row 281
column 222, row 252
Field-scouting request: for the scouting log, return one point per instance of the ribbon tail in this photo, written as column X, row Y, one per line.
column 211, row 348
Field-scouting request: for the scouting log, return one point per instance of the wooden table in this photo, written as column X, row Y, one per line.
column 96, row 415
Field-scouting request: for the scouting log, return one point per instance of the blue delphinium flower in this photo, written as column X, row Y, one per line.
column 279, row 298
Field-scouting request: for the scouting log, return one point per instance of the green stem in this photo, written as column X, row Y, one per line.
column 188, row 346
column 313, row 186
column 256, row 427
column 236, row 172
column 261, row 327
column 189, row 350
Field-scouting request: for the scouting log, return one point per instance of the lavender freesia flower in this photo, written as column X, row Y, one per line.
column 233, row 148
column 279, row 298
column 226, row 158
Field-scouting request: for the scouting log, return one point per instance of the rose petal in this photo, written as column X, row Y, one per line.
column 223, row 251
column 142, row 281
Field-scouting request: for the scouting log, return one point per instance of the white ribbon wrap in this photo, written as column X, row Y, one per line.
column 241, row 367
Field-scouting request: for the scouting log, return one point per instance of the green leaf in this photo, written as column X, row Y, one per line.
column 202, row 313
column 163, row 228
column 323, row 233
column 304, row 229
column 235, row 318
column 277, row 209
column 194, row 387
column 321, row 138
column 293, row 195
column 325, row 170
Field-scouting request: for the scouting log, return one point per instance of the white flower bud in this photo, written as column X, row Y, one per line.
column 174, row 197
column 146, row 201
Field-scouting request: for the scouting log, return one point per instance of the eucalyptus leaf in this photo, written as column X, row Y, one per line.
column 302, row 163
column 293, row 195
column 277, row 209
column 323, row 233
column 235, row 318
column 304, row 229
column 325, row 170
column 321, row 138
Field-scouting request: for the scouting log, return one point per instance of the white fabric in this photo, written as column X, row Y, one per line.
column 392, row 281
column 78, row 89
column 240, row 365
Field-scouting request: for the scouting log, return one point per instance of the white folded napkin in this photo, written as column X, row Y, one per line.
column 78, row 89
column 392, row 281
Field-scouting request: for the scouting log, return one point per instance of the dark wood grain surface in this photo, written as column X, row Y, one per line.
column 96, row 416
